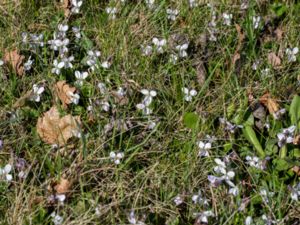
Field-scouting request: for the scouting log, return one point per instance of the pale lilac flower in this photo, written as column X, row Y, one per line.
column 74, row 97
column 116, row 157
column 295, row 192
column 111, row 11
column 37, row 91
column 76, row 31
column 172, row 14
column 193, row 3
column 189, row 94
column 277, row 115
column 182, row 50
column 105, row 105
column 248, row 220
column 60, row 198
column 146, row 50
column 132, row 219
column 199, row 199
column 214, row 181
column 255, row 162
column 76, row 4
column 286, row 136
column 178, row 200
column 80, row 76
column 144, row 105
column 227, row 18
column 159, row 44
column 255, row 64
column 28, row 64
column 57, row 66
column 266, row 194
column 203, row 216
column 291, row 54
column 255, row 21
column 56, row 219
column 221, row 166
column 105, row 64
column 233, row 191
column 92, row 59
column 229, row 126
column 173, row 58
column 150, row 3
column 68, row 61
column 102, row 88
column 1, row 62
column 5, row 172
column 204, row 148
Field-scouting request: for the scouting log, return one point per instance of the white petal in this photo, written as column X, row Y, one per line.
column 230, row 174
column 295, row 50
column 145, row 92
column 140, row 106
column 112, row 155
column 153, row 93
column 193, row 92
column 7, row 168
column 60, row 65
column 8, row 177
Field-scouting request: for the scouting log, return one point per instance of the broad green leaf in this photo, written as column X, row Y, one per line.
column 295, row 110
column 250, row 135
column 282, row 165
column 191, row 120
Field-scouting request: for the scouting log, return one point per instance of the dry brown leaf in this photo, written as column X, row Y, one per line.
column 296, row 170
column 296, row 140
column 15, row 60
column 120, row 99
column 65, row 7
column 269, row 102
column 63, row 91
column 241, row 37
column 279, row 34
column 63, row 186
column 201, row 73
column 54, row 129
column 22, row 100
column 274, row 60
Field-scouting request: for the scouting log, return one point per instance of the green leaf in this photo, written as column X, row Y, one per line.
column 250, row 135
column 296, row 153
column 295, row 110
column 191, row 120
column 282, row 165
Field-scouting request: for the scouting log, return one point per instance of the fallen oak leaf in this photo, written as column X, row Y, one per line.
column 54, row 129
column 63, row 186
column 269, row 102
column 15, row 60
column 241, row 37
column 64, row 92
column 274, row 60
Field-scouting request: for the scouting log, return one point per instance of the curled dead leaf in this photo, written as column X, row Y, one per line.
column 296, row 170
column 64, row 91
column 15, row 61
column 279, row 34
column 66, row 7
column 296, row 140
column 120, row 99
column 201, row 72
column 22, row 100
column 269, row 102
column 54, row 129
column 274, row 60
column 63, row 186
column 241, row 37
